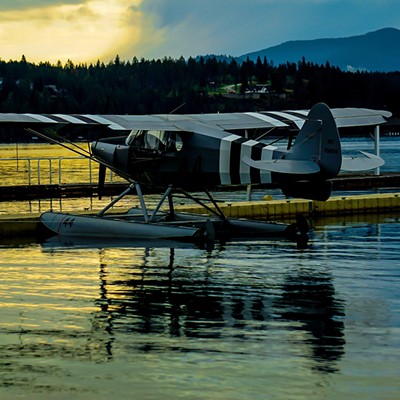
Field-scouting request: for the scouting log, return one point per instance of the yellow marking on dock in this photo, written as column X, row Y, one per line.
column 288, row 209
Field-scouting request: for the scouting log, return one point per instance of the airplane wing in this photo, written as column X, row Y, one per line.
column 348, row 117
column 222, row 121
column 113, row 122
column 344, row 117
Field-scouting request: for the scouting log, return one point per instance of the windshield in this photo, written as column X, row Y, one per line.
column 155, row 140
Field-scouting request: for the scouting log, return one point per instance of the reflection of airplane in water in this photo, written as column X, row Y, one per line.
column 157, row 297
column 309, row 298
column 192, row 153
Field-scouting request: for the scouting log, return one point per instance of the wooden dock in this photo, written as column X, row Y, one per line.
column 283, row 210
column 55, row 191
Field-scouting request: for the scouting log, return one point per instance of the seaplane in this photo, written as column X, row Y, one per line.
column 177, row 154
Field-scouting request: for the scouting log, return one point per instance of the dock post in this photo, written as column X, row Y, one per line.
column 377, row 146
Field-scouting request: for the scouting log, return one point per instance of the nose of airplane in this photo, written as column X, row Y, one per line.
column 112, row 153
column 104, row 152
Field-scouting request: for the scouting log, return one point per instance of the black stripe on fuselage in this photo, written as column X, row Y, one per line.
column 234, row 167
column 256, row 155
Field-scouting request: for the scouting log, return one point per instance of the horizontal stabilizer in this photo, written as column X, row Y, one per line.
column 348, row 117
column 282, row 166
column 370, row 161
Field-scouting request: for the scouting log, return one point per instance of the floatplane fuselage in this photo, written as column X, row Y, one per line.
column 196, row 155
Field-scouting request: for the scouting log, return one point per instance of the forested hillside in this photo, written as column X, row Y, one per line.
column 373, row 51
column 198, row 86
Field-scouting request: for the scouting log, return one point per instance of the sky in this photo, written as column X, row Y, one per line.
column 85, row 31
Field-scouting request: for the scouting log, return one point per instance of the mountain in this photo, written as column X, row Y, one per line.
column 374, row 51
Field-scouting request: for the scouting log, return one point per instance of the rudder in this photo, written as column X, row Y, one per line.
column 319, row 141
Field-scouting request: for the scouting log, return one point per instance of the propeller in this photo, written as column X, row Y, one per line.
column 102, row 178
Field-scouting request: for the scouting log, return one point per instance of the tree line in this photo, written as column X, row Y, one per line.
column 201, row 85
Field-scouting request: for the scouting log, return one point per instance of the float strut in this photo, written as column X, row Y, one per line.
column 161, row 202
column 123, row 194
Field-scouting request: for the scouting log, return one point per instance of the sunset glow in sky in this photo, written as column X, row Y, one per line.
column 88, row 30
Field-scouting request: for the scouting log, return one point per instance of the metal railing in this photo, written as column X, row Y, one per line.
column 48, row 170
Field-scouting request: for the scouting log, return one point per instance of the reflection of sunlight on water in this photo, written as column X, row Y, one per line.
column 47, row 164
column 257, row 319
column 69, row 204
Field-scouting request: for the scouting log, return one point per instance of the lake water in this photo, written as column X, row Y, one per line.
column 258, row 319
column 246, row 320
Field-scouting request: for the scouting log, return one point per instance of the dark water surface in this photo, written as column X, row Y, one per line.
column 246, row 320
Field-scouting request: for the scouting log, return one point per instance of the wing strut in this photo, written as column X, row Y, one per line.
column 74, row 147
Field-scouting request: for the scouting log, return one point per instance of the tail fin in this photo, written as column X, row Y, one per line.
column 318, row 140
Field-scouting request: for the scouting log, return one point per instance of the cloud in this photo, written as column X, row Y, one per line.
column 238, row 26
column 75, row 30
column 7, row 5
column 226, row 26
column 87, row 30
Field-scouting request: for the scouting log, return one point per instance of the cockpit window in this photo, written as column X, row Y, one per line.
column 155, row 140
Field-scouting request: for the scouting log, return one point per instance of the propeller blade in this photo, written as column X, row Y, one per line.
column 102, row 178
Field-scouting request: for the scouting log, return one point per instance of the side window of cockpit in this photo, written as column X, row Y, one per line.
column 155, row 141
column 146, row 140
column 173, row 142
column 135, row 138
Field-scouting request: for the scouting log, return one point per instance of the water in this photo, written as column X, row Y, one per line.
column 44, row 164
column 246, row 320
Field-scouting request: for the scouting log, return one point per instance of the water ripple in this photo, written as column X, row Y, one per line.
column 245, row 320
